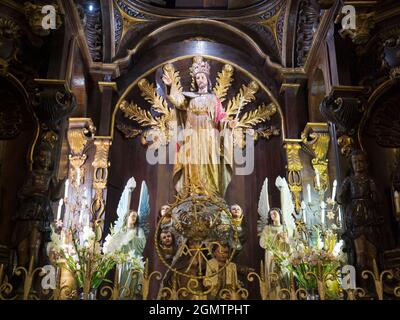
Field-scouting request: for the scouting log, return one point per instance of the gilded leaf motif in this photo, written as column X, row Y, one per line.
column 254, row 117
column 224, row 82
column 245, row 95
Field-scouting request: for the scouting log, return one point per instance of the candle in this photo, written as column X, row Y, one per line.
column 309, row 193
column 66, row 217
column 397, row 201
column 334, row 190
column 323, row 207
column 303, row 210
column 317, row 178
column 60, row 204
column 66, row 189
column 340, row 216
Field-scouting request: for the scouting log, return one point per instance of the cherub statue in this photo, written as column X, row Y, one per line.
column 167, row 244
column 220, row 274
column 129, row 232
column 165, row 216
column 359, row 195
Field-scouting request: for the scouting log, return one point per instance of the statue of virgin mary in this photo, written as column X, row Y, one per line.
column 201, row 166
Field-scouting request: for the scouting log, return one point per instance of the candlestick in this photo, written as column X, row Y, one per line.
column 309, row 193
column 334, row 190
column 60, row 204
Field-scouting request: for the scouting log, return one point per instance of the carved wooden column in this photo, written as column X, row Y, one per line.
column 315, row 141
column 294, row 166
column 100, row 177
column 293, row 92
column 78, row 196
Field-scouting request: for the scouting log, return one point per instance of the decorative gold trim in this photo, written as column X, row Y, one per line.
column 294, row 86
column 361, row 3
column 271, row 24
column 104, row 84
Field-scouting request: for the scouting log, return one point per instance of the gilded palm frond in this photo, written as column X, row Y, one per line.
column 224, row 82
column 260, row 114
column 149, row 93
column 170, row 71
column 133, row 112
column 245, row 95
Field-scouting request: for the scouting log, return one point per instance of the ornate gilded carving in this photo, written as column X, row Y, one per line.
column 315, row 141
column 293, row 168
column 245, row 96
column 80, row 132
column 161, row 120
column 346, row 145
column 224, row 82
column 33, row 12
column 100, row 176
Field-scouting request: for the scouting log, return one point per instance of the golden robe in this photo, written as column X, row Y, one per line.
column 203, row 164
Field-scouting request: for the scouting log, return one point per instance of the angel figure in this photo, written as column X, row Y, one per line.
column 128, row 236
column 276, row 226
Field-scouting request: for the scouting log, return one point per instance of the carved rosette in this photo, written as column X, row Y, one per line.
column 100, row 176
column 294, row 168
column 315, row 141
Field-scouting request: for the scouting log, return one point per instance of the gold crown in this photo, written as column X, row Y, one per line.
column 200, row 66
